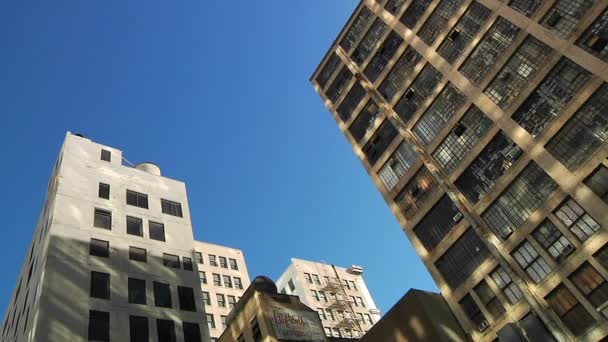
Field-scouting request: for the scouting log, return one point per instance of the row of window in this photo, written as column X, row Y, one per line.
column 314, row 278
column 337, row 332
column 213, row 261
column 156, row 230
column 339, row 315
column 140, row 200
column 220, row 299
column 322, row 296
column 219, row 279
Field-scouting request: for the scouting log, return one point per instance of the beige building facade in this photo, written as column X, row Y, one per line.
column 484, row 125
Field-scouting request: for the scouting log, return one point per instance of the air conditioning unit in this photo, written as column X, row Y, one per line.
column 457, row 217
column 565, row 252
column 483, row 325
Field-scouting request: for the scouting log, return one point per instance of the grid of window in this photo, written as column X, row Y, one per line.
column 518, row 71
column 473, row 312
column 421, row 88
column 526, row 7
column 528, row 258
column 416, row 192
column 393, row 6
column 356, row 29
column 487, row 169
column 370, row 41
column 438, row 20
column 553, row 241
column 365, row 120
column 489, row 299
column 379, row 142
column 598, row 182
column 524, row 196
column 383, row 56
column 397, row 165
column 439, row 113
column 328, row 69
column 577, row 220
column 414, row 12
column 339, row 84
column 351, row 101
column 491, row 46
column 565, row 15
column 463, row 33
column 551, row 96
column 584, row 132
column 100, row 285
column 504, row 281
column 461, row 139
column 395, row 79
column 570, row 311
column 595, row 39
column 591, row 284
column 437, row 223
column 162, row 295
column 462, row 258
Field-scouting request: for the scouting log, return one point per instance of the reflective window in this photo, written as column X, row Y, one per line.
column 416, row 192
column 577, row 220
column 438, row 20
column 365, row 120
column 328, row 69
column 447, row 103
column 393, row 6
column 462, row 258
column 553, row 241
column 339, row 84
column 437, row 223
column 563, row 17
column 598, row 182
column 528, row 258
column 378, row 143
column 595, row 39
column 418, row 92
column 504, row 280
column 489, row 299
column 525, row 7
column 397, row 165
column 351, row 101
column 414, row 12
column 394, row 80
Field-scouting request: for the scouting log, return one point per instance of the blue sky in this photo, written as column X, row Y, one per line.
column 215, row 92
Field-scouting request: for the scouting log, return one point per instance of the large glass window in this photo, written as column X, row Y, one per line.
column 416, row 192
column 595, row 39
column 553, row 241
column 378, row 143
column 570, row 311
column 447, row 103
column 504, row 280
column 598, row 182
column 351, row 101
column 489, row 299
column 397, row 165
column 563, row 17
column 438, row 222
column 473, row 312
column 414, row 12
column 339, row 84
column 365, row 120
column 171, row 207
column 370, row 41
column 393, row 6
column 138, row 329
column 356, row 29
column 383, row 56
column 462, row 258
column 528, row 258
column 592, row 285
column 438, row 20
column 526, row 7
column 421, row 88
column 577, row 220
column 403, row 69
column 328, row 69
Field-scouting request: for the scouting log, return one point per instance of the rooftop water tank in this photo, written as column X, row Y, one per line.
column 149, row 167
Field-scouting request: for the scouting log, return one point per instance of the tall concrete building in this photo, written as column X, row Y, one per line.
column 223, row 276
column 484, row 125
column 339, row 295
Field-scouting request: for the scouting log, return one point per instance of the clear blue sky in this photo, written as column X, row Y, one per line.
column 215, row 92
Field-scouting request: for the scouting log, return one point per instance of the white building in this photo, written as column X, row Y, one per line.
column 339, row 294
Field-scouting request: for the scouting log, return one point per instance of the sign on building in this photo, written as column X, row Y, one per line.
column 296, row 325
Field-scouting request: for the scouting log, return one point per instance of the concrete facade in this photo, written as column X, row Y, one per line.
column 492, row 115
column 339, row 295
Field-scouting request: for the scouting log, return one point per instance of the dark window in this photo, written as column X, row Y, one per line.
column 437, row 223
column 598, row 182
column 592, row 285
column 186, row 298
column 187, row 264
column 504, row 280
column 528, row 258
column 171, row 260
column 416, row 192
column 447, row 103
column 339, row 84
column 232, row 300
column 414, row 12
column 473, row 312
column 567, row 307
column 602, row 256
column 577, row 219
column 419, row 91
column 438, row 20
column 393, row 6
column 137, row 199
column 584, row 133
column 351, row 101
column 595, row 39
column 100, row 285
column 99, row 248
column 369, row 42
column 106, row 155
column 378, row 143
column 397, row 165
column 365, row 120
column 233, row 264
column 487, row 169
column 255, row 329
column 104, row 190
column 166, row 330
column 526, row 7
column 137, row 254
column 171, row 208
column 328, row 69
column 192, row 333
column 138, row 329
column 395, row 79
column 157, row 231
column 99, row 326
column 356, row 29
column 137, row 291
column 103, row 219
column 565, row 15
column 553, row 241
column 210, row 320
column 135, row 226
column 462, row 258
column 292, row 287
column 385, row 53
column 162, row 295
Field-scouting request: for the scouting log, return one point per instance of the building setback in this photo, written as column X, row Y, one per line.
column 339, row 295
column 484, row 126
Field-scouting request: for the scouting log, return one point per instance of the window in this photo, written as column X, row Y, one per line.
column 166, row 330
column 171, row 208
column 100, row 285
column 192, row 333
column 315, row 277
column 106, row 155
column 221, row 300
column 308, row 278
column 255, row 329
column 504, row 281
column 385, row 53
column 137, row 199
column 223, row 320
column 206, row 298
column 463, row 33
column 104, row 191
column 199, row 257
column 356, row 29
column 369, row 42
column 378, row 143
column 592, row 285
column 570, row 311
column 365, row 120
column 99, row 248
column 420, row 90
column 584, row 133
column 202, row 277
column 462, row 258
column 339, row 84
column 416, row 192
column 99, row 326
column 231, row 301
column 157, row 231
column 135, row 226
column 518, row 72
column 237, row 283
column 393, row 6
column 103, row 219
column 563, row 17
column 461, row 139
column 395, row 79
column 171, row 260
column 323, row 296
column 233, row 264
column 361, row 302
column 437, row 223
column 553, row 241
column 489, row 299
column 414, row 12
column 217, row 281
column 336, row 332
column 210, row 321
column 397, row 165
column 137, row 254
column 473, row 312
column 598, row 182
column 438, row 20
column 292, row 287
column 187, row 264
column 602, row 256
column 330, row 314
column 353, row 285
column 186, row 298
column 528, row 258
column 321, row 314
column 138, row 329
column 525, row 7
column 223, row 262
column 351, row 101
column 227, row 281
column 137, row 291
column 487, row 169
column 346, row 284
column 551, row 96
column 595, row 39
column 491, row 46
column 212, row 260
column 522, row 197
column 577, row 220
column 328, row 70
column 314, row 295
column 162, row 295
column 368, row 318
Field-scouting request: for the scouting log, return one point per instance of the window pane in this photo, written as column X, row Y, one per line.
column 571, row 312
column 438, row 222
column 416, row 192
column 328, row 69
column 171, row 260
column 165, row 330
column 438, row 20
column 504, row 281
column 356, row 29
column 383, row 56
column 414, row 11
column 528, row 258
column 526, row 7
column 395, row 79
column 137, row 291
column 397, row 165
column 369, row 42
column 577, row 220
column 351, row 101
column 162, row 295
column 157, row 231
column 365, row 120
column 439, row 113
column 186, row 298
column 103, row 219
column 100, row 285
column 473, row 312
column 104, row 190
column 393, row 6
column 187, row 263
column 563, row 17
column 591, row 284
column 598, row 182
column 138, row 329
column 419, row 91
column 135, row 226
column 595, row 39
column 462, row 258
column 99, row 248
column 106, row 155
column 192, row 332
column 99, row 326
column 378, row 143
column 553, row 241
column 137, row 254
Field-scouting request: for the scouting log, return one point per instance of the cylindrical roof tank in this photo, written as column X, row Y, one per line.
column 149, row 167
